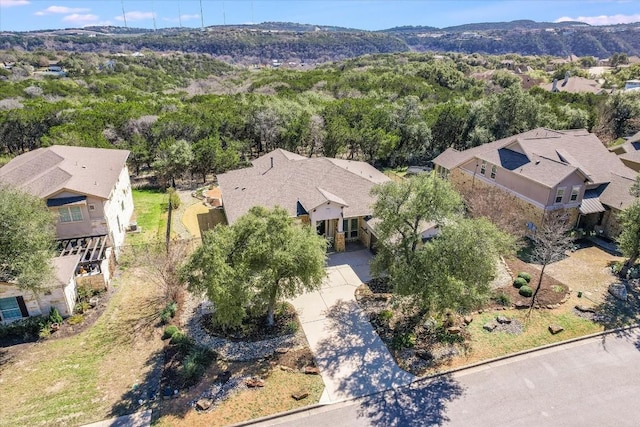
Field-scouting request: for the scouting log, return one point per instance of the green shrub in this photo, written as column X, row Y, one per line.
column 170, row 331
column 54, row 315
column 174, row 198
column 503, row 299
column 616, row 267
column 45, row 331
column 404, row 340
column 195, row 364
column 292, row 327
column 183, row 342
column 525, row 291
column 168, row 312
column 519, row 282
column 526, row 276
column 25, row 328
column 75, row 319
column 385, row 315
column 82, row 307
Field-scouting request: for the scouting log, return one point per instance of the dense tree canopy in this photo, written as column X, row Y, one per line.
column 450, row 271
column 246, row 268
column 27, row 236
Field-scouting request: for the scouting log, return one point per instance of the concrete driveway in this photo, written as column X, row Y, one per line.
column 352, row 359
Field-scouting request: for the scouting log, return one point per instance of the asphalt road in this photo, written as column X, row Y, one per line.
column 595, row 382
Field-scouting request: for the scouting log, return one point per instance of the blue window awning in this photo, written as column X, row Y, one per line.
column 52, row 203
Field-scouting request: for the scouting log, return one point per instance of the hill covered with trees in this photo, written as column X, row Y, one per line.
column 264, row 42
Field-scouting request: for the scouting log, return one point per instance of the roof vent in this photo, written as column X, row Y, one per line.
column 84, row 166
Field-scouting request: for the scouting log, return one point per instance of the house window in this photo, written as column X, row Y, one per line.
column 12, row 308
column 70, row 214
column 483, row 167
column 494, row 170
column 559, row 195
column 574, row 193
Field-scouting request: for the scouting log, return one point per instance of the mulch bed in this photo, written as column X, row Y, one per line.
column 551, row 290
column 256, row 328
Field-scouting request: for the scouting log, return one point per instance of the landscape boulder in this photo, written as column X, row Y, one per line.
column 254, row 382
column 468, row 320
column 555, row 329
column 454, row 330
column 203, row 404
column 619, row 291
column 504, row 320
column 311, row 370
column 489, row 326
column 521, row 304
column 300, row 394
column 585, row 308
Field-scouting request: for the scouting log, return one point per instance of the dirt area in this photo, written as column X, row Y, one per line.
column 551, row 291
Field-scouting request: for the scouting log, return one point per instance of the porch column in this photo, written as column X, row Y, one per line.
column 339, row 242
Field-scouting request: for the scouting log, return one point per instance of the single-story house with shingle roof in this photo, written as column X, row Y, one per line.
column 330, row 194
column 547, row 170
column 89, row 191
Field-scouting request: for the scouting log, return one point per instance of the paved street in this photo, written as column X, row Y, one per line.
column 352, row 359
column 589, row 383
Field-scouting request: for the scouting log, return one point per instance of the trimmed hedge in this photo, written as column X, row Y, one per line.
column 519, row 282
column 170, row 331
column 526, row 276
column 525, row 291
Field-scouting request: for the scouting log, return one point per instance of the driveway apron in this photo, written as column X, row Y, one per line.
column 352, row 359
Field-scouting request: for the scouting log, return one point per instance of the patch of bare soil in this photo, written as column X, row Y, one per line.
column 551, row 293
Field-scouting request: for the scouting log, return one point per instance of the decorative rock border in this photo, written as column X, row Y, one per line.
column 195, row 308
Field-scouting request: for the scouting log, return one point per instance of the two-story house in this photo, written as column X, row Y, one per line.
column 547, row 170
column 89, row 192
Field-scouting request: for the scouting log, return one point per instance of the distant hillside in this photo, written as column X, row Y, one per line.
column 315, row 43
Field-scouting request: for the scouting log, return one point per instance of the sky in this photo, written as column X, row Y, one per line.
column 28, row 15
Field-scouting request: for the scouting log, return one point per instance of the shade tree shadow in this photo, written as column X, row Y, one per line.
column 424, row 403
column 145, row 394
column 614, row 313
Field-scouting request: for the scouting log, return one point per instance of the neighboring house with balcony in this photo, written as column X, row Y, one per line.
column 89, row 192
column 546, row 170
column 332, row 195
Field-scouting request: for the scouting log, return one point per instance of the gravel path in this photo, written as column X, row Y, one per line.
column 195, row 307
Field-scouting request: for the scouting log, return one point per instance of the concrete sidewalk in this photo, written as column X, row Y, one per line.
column 352, row 359
column 138, row 419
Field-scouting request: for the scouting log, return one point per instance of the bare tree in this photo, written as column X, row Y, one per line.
column 497, row 206
column 550, row 244
column 162, row 267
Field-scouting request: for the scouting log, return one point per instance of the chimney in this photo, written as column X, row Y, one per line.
column 271, row 162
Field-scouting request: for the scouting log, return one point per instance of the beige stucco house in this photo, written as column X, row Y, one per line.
column 332, row 195
column 547, row 170
column 89, row 191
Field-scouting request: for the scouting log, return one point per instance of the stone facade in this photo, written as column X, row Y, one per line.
column 63, row 298
column 340, row 242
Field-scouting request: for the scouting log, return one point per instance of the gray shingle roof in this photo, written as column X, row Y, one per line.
column 574, row 148
column 617, row 193
column 46, row 171
column 295, row 179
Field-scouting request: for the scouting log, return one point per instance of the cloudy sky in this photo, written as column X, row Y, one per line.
column 25, row 15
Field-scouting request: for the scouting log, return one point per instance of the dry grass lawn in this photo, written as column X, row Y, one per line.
column 247, row 404
column 81, row 379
